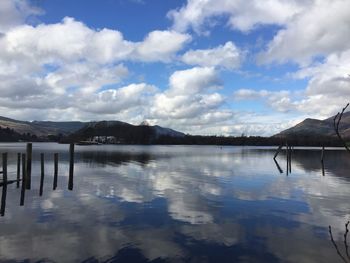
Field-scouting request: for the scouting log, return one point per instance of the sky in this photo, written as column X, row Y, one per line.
column 211, row 67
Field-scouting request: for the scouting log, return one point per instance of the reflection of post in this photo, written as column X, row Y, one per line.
column 346, row 241
column 287, row 158
column 55, row 171
column 18, row 168
column 278, row 166
column 42, row 174
column 29, row 165
column 4, row 187
column 24, row 179
column 322, row 161
column 71, row 166
column 290, row 159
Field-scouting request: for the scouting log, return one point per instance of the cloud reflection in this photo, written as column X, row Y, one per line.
column 163, row 201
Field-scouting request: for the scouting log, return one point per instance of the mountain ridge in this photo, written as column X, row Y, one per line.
column 65, row 128
column 315, row 127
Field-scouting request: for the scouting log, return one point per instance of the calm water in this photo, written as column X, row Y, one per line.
column 178, row 204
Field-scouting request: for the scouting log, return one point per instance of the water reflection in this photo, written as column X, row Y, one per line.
column 3, row 199
column 278, row 166
column 5, row 182
column 346, row 256
column 179, row 204
column 99, row 158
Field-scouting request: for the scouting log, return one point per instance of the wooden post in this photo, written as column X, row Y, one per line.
column 71, row 166
column 24, row 179
column 4, row 167
column 322, row 160
column 278, row 151
column 18, row 168
column 287, row 158
column 42, row 174
column 290, row 159
column 4, row 187
column 55, row 171
column 29, row 165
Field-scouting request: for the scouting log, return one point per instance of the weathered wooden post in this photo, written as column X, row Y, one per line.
column 278, row 151
column 24, row 179
column 55, row 171
column 42, row 174
column 18, row 168
column 290, row 159
column 29, row 165
column 71, row 166
column 287, row 158
column 4, row 167
column 322, row 160
column 4, row 187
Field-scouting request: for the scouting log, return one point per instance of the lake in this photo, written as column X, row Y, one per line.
column 178, row 204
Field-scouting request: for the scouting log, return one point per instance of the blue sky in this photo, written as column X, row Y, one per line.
column 222, row 67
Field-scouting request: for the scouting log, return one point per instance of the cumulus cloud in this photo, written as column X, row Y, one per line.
column 72, row 40
column 161, row 45
column 314, row 34
column 118, row 100
column 278, row 100
column 69, row 70
column 319, row 30
column 240, row 14
column 15, row 12
column 68, row 65
column 191, row 93
column 328, row 89
column 227, row 56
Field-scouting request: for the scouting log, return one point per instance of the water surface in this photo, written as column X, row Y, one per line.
column 178, row 204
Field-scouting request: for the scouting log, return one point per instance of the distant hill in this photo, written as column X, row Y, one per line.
column 74, row 129
column 122, row 132
column 314, row 127
column 40, row 128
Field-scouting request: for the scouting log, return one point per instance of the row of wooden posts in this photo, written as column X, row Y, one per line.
column 25, row 160
column 289, row 151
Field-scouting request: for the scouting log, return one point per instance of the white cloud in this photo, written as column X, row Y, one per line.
column 72, row 40
column 161, row 45
column 114, row 101
column 64, row 66
column 190, row 95
column 319, row 30
column 68, row 70
column 241, row 15
column 227, row 56
column 277, row 100
column 328, row 89
column 15, row 12
column 314, row 34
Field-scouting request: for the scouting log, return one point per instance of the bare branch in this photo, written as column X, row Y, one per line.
column 336, row 122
